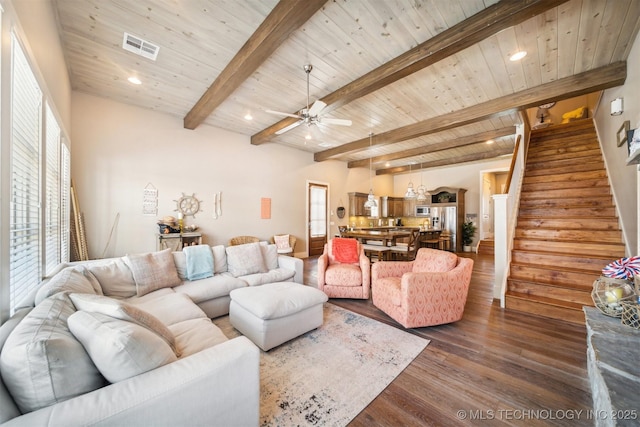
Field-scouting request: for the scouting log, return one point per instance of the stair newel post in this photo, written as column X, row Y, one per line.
column 501, row 251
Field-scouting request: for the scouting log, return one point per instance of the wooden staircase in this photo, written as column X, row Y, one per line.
column 567, row 228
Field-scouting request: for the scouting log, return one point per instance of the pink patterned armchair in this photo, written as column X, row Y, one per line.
column 344, row 269
column 431, row 290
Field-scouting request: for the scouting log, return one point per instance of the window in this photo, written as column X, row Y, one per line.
column 39, row 184
column 318, row 211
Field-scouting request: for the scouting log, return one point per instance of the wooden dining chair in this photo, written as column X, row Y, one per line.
column 407, row 251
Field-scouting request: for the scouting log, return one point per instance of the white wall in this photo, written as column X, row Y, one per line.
column 624, row 178
column 118, row 149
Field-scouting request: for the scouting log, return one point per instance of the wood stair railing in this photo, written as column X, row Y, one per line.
column 567, row 228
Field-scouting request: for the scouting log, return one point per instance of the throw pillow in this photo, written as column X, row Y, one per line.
column 71, row 279
column 282, row 242
column 270, row 255
column 115, row 278
column 58, row 366
column 119, row 349
column 345, row 250
column 153, row 271
column 123, row 311
column 245, row 259
column 181, row 264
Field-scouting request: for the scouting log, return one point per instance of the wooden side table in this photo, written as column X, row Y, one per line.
column 177, row 241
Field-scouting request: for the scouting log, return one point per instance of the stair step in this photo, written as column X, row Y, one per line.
column 568, row 223
column 563, row 295
column 611, row 250
column 564, row 140
column 565, row 167
column 559, row 161
column 566, row 177
column 486, row 247
column 567, row 193
column 584, row 211
column 602, row 236
column 545, row 308
column 578, row 126
column 581, row 261
column 596, row 187
column 573, row 151
column 563, row 277
column 555, row 199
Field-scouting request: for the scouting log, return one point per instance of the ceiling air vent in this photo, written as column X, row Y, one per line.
column 140, row 47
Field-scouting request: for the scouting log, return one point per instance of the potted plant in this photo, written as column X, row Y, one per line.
column 468, row 231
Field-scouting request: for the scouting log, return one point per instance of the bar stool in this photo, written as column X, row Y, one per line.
column 430, row 240
column 445, row 241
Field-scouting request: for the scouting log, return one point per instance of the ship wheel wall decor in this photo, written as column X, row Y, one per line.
column 188, row 205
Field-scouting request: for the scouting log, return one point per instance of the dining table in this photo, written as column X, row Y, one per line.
column 386, row 237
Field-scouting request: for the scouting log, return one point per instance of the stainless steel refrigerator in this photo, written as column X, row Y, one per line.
column 445, row 218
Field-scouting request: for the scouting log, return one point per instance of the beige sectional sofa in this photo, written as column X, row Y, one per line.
column 129, row 341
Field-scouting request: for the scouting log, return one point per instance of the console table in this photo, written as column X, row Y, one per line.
column 613, row 361
column 177, row 241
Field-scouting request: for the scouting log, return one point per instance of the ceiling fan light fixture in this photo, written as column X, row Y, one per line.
column 134, row 80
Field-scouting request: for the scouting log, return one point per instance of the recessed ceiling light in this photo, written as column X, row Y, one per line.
column 248, row 116
column 134, row 80
column 491, row 141
column 307, row 136
column 518, row 55
column 325, row 145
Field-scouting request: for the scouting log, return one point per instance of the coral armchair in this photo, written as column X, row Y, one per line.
column 344, row 270
column 431, row 290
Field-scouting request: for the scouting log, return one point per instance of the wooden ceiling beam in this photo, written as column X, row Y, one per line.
column 495, row 18
column 450, row 161
column 286, row 17
column 438, row 146
column 580, row 84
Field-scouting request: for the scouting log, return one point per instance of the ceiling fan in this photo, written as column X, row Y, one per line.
column 311, row 114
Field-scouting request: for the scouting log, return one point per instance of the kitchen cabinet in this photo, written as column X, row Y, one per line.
column 391, row 207
column 356, row 205
column 409, row 207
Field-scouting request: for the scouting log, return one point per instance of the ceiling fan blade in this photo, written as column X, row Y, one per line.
column 330, row 121
column 316, row 108
column 280, row 113
column 288, row 128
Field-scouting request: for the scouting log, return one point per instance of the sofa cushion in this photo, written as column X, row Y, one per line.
column 276, row 275
column 434, row 261
column 195, row 335
column 123, row 311
column 72, row 279
column 212, row 287
column 219, row 259
column 343, row 275
column 245, row 259
column 154, row 270
column 42, row 363
column 180, row 260
column 115, row 277
column 170, row 308
column 269, row 255
column 119, row 349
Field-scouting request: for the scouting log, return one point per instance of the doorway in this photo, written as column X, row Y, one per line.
column 317, row 195
column 492, row 182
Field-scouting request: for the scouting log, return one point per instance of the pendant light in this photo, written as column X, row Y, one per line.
column 371, row 199
column 423, row 196
column 410, row 194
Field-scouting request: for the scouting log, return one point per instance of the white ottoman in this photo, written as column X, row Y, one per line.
column 272, row 314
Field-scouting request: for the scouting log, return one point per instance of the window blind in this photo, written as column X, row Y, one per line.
column 52, row 192
column 65, row 204
column 24, row 218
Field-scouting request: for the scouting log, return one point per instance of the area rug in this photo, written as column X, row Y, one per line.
column 327, row 376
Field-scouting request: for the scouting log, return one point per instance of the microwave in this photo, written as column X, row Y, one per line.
column 423, row 210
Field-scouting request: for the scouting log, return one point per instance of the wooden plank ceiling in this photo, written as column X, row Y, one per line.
column 431, row 80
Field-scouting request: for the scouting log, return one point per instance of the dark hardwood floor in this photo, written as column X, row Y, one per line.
column 493, row 368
